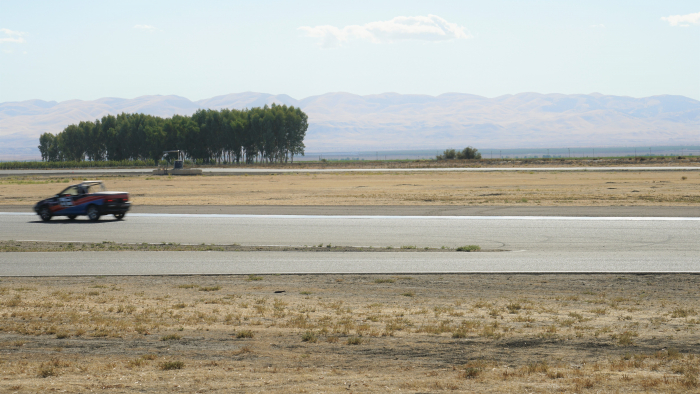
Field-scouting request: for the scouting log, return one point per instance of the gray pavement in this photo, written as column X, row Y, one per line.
column 215, row 263
column 407, row 210
column 555, row 234
column 518, row 244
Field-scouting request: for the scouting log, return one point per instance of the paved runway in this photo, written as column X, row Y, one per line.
column 265, row 171
column 561, row 234
column 524, row 244
column 408, row 210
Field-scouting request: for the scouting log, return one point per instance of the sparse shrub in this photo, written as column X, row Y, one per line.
column 15, row 301
column 469, row 248
column 136, row 363
column 384, row 280
column 46, row 371
column 354, row 341
column 470, row 373
column 513, row 307
column 538, row 367
column 244, row 334
column 556, row 375
column 682, row 312
column 170, row 337
column 625, row 338
column 253, row 278
column 211, row 288
column 408, row 294
column 580, row 384
column 62, row 335
column 170, row 365
column 309, row 337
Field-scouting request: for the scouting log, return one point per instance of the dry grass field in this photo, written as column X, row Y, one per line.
column 351, row 333
column 556, row 188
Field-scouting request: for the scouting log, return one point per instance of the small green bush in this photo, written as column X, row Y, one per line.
column 469, row 248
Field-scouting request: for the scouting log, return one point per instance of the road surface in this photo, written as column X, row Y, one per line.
column 519, row 244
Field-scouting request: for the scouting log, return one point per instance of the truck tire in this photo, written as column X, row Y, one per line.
column 45, row 213
column 93, row 213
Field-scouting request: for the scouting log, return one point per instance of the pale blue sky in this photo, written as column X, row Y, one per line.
column 62, row 50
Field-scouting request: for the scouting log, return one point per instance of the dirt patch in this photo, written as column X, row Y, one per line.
column 351, row 333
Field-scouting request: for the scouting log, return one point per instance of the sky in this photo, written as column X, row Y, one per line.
column 64, row 50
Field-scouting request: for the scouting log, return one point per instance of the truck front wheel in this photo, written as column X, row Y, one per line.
column 93, row 213
column 45, row 214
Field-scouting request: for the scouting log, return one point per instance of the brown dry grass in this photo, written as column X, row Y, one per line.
column 523, row 188
column 357, row 333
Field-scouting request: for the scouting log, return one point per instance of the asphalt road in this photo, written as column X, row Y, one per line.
column 265, row 171
column 554, row 234
column 408, row 210
column 520, row 244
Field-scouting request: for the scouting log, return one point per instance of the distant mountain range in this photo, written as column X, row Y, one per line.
column 391, row 121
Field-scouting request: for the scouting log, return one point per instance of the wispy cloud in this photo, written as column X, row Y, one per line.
column 145, row 27
column 424, row 28
column 682, row 20
column 7, row 35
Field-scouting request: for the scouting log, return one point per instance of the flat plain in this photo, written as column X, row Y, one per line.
column 358, row 333
column 351, row 333
column 523, row 188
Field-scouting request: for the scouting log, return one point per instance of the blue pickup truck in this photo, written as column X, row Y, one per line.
column 87, row 198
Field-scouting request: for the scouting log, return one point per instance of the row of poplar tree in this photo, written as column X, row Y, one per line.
column 268, row 134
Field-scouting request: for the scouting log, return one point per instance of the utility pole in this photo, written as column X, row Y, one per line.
column 569, row 153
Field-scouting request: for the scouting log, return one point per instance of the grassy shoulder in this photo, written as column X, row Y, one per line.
column 311, row 333
column 41, row 246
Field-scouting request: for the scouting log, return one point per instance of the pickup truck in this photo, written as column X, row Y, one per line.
column 87, row 198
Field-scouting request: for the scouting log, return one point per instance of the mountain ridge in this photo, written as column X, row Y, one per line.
column 346, row 121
